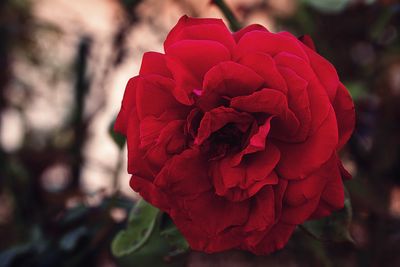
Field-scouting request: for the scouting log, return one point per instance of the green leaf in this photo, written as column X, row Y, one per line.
column 234, row 23
column 328, row 6
column 356, row 89
column 119, row 139
column 175, row 238
column 334, row 228
column 153, row 253
column 141, row 224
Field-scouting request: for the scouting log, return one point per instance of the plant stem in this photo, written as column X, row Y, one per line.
column 234, row 23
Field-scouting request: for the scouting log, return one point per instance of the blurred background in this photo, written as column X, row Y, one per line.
column 63, row 67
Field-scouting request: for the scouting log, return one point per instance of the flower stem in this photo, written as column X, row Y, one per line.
column 234, row 23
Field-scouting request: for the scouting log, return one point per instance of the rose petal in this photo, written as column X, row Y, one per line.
column 253, row 27
column 128, row 103
column 345, row 114
column 299, row 103
column 150, row 193
column 301, row 159
column 184, row 174
column 217, row 118
column 169, row 142
column 308, row 41
column 271, row 102
column 317, row 95
column 268, row 43
column 325, row 72
column 137, row 164
column 154, row 63
column 299, row 214
column 196, row 58
column 199, row 29
column 262, row 211
column 246, row 179
column 154, row 96
column 332, row 197
column 303, row 197
column 217, row 208
column 275, row 239
column 227, row 79
column 264, row 65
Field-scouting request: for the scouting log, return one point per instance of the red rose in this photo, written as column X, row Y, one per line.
column 235, row 136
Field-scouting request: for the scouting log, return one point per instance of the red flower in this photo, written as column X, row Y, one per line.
column 235, row 136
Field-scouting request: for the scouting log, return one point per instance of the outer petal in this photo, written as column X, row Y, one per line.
column 137, row 164
column 128, row 103
column 150, row 192
column 309, row 197
column 299, row 103
column 170, row 142
column 189, row 60
column 317, row 95
column 185, row 175
column 307, row 40
column 151, row 126
column 217, row 208
column 325, row 71
column 253, row 27
column 154, row 63
column 154, row 95
column 200, row 29
column 262, row 210
column 332, row 197
column 268, row 43
column 299, row 160
column 345, row 114
column 275, row 239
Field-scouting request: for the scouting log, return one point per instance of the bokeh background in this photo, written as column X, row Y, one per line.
column 63, row 67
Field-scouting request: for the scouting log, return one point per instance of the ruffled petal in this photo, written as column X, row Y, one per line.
column 239, row 182
column 169, row 141
column 271, row 102
column 227, row 80
column 217, row 118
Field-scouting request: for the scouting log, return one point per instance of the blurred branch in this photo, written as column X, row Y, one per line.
column 234, row 23
column 78, row 121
